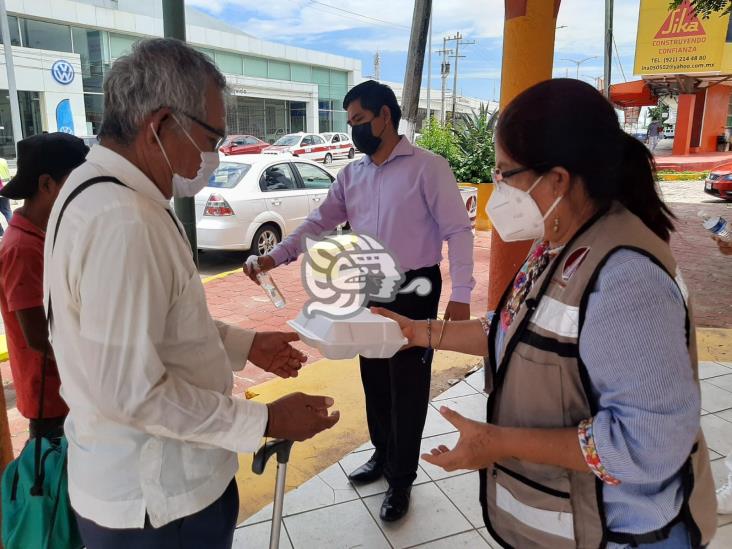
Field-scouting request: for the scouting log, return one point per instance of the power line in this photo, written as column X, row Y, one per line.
column 617, row 56
column 458, row 39
column 390, row 23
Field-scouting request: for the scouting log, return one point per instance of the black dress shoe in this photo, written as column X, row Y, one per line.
column 370, row 471
column 396, row 504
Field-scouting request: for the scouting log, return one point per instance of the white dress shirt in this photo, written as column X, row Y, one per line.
column 145, row 370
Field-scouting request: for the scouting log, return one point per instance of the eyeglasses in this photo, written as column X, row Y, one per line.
column 221, row 135
column 501, row 176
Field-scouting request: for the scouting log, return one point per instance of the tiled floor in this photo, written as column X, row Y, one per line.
column 327, row 512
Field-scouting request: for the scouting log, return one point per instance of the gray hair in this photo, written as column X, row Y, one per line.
column 159, row 72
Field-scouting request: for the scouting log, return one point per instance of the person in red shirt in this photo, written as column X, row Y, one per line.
column 44, row 163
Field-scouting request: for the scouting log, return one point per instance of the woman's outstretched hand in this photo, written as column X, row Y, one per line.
column 407, row 325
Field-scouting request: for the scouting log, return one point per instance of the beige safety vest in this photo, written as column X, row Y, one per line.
column 540, row 382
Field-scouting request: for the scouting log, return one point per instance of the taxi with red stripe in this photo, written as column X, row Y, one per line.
column 302, row 145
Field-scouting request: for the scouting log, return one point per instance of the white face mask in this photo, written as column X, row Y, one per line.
column 183, row 186
column 515, row 214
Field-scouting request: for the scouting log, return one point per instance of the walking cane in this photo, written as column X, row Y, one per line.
column 282, row 449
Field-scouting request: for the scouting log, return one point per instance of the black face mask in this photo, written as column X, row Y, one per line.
column 364, row 138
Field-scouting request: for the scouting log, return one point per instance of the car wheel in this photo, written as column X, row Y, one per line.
column 351, row 153
column 328, row 158
column 265, row 240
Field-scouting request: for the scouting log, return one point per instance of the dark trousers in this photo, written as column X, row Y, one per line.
column 397, row 389
column 212, row 528
column 50, row 427
column 6, row 211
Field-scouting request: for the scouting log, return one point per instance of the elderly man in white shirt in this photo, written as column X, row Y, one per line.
column 153, row 430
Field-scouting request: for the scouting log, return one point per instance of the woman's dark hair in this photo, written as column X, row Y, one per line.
column 373, row 96
column 568, row 123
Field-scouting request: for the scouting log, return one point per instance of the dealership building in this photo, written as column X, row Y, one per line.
column 62, row 49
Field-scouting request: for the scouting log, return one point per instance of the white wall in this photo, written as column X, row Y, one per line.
column 33, row 73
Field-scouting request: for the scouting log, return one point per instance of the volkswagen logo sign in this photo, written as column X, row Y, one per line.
column 62, row 72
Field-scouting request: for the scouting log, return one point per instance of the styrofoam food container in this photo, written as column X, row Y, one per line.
column 365, row 334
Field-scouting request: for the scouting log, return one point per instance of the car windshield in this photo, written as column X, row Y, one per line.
column 287, row 141
column 228, row 175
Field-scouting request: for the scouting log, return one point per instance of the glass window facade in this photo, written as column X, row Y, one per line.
column 120, row 44
column 30, row 119
column 267, row 119
column 93, row 48
column 45, row 36
column 94, row 106
column 14, row 31
column 278, row 70
column 229, row 63
column 255, row 66
column 301, row 73
column 98, row 49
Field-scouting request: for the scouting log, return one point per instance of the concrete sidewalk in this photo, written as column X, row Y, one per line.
column 328, row 512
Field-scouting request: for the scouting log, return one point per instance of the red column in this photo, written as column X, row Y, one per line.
column 684, row 122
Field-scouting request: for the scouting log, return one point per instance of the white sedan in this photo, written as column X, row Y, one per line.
column 253, row 201
column 303, row 145
column 340, row 145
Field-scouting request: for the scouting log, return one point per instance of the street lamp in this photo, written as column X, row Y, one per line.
column 595, row 79
column 578, row 63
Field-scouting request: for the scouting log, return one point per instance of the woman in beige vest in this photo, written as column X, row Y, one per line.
column 592, row 436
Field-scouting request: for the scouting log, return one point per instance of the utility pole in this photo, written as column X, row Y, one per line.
column 444, row 73
column 377, row 66
column 10, row 70
column 174, row 26
column 415, row 65
column 608, row 46
column 458, row 38
column 428, row 118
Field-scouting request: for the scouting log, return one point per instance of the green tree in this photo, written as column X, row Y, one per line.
column 705, row 8
column 474, row 136
column 656, row 113
column 440, row 139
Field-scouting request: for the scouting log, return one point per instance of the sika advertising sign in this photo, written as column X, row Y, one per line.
column 676, row 41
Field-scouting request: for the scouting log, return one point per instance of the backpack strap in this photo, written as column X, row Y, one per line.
column 37, row 488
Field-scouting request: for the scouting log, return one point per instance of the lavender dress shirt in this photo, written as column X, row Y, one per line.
column 411, row 203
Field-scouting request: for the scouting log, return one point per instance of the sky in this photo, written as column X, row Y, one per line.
column 359, row 28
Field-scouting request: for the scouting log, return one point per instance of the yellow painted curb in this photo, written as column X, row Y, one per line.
column 714, row 344
column 3, row 348
column 220, row 275
column 342, row 381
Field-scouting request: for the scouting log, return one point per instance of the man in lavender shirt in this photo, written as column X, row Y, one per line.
column 408, row 199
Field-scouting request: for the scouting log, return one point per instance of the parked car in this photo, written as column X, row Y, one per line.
column 341, row 145
column 253, row 201
column 243, row 144
column 303, row 145
column 669, row 132
column 640, row 136
column 719, row 181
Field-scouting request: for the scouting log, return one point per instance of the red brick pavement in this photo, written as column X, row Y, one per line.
column 237, row 300
column 707, row 273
